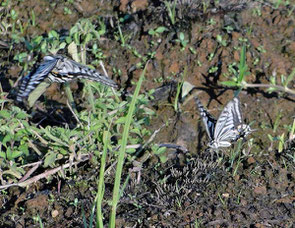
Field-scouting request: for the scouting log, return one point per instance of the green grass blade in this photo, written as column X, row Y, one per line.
column 70, row 96
column 40, row 221
column 242, row 66
column 91, row 219
column 179, row 86
column 116, row 191
column 290, row 77
column 84, row 218
column 100, row 190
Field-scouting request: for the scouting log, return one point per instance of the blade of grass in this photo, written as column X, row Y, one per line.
column 70, row 96
column 91, row 219
column 124, row 185
column 40, row 221
column 242, row 70
column 106, row 73
column 100, row 189
column 237, row 153
column 73, row 50
column 122, row 38
column 84, row 218
column 116, row 191
column 242, row 65
column 179, row 87
column 290, row 77
column 291, row 136
column 87, row 83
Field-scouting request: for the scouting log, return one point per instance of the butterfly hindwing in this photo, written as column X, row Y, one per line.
column 208, row 120
column 67, row 69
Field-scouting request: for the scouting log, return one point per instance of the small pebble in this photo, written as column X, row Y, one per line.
column 54, row 213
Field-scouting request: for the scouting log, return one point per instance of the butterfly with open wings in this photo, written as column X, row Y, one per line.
column 228, row 128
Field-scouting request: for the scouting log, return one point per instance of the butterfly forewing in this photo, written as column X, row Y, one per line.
column 224, row 123
column 34, row 78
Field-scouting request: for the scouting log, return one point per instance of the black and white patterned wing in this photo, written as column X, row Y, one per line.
column 208, row 120
column 225, row 130
column 237, row 113
column 67, row 70
column 34, row 78
column 242, row 129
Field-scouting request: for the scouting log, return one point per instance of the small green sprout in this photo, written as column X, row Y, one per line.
column 221, row 41
column 181, row 39
column 156, row 32
column 281, row 142
column 160, row 152
column 213, row 69
column 67, row 11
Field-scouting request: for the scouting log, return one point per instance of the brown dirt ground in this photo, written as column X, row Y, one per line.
column 203, row 191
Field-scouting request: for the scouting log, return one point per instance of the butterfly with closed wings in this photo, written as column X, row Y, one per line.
column 58, row 69
column 228, row 128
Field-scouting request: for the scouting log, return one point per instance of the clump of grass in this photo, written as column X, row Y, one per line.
column 171, row 10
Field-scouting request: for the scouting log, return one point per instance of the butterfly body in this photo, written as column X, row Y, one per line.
column 228, row 128
column 59, row 69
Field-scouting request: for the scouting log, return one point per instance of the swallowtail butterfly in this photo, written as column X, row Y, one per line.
column 58, row 69
column 228, row 128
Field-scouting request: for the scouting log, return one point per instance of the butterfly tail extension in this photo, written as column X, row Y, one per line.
column 199, row 105
column 96, row 76
column 67, row 70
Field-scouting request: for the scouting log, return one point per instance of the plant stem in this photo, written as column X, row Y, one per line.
column 87, row 83
column 278, row 87
column 121, row 35
column 116, row 191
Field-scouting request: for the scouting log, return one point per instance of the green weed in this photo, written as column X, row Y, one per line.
column 160, row 152
column 239, row 79
column 156, row 32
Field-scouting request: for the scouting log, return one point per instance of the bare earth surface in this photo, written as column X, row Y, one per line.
column 192, row 188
